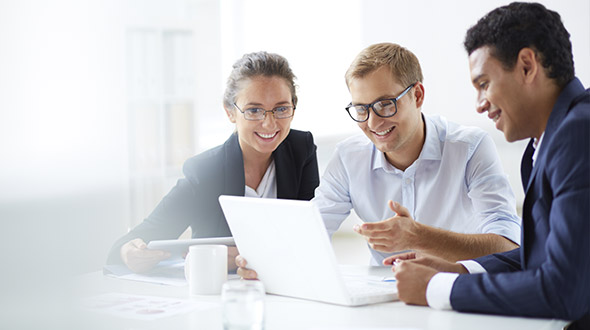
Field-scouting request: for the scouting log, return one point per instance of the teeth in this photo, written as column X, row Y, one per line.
column 495, row 119
column 384, row 132
column 267, row 136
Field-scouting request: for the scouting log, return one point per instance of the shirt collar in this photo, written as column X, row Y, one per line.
column 430, row 149
column 537, row 146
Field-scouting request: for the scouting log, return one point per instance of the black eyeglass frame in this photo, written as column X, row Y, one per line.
column 368, row 107
column 265, row 111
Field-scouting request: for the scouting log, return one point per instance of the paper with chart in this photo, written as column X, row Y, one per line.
column 141, row 307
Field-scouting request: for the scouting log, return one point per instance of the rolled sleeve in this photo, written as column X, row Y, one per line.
column 490, row 191
column 508, row 227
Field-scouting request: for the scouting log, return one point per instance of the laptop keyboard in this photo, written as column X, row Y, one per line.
column 360, row 289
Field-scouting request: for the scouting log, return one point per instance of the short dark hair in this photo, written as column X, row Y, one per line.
column 510, row 28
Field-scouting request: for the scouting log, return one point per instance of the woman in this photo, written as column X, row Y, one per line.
column 262, row 158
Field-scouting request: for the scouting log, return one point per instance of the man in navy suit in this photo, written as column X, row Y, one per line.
column 522, row 68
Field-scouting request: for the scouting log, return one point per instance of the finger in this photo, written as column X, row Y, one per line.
column 247, row 274
column 399, row 209
column 398, row 268
column 143, row 252
column 406, row 255
column 357, row 229
column 388, row 261
column 232, row 251
column 369, row 227
column 400, row 265
column 380, row 241
column 241, row 261
column 380, row 234
column 396, row 264
column 138, row 243
column 381, row 248
column 393, row 260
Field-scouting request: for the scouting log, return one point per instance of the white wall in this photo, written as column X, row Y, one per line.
column 63, row 150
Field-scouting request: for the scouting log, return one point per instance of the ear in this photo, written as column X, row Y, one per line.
column 231, row 114
column 528, row 65
column 419, row 94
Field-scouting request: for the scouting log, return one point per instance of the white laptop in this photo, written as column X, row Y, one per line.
column 287, row 244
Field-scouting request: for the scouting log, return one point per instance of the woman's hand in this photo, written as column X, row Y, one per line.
column 232, row 253
column 245, row 273
column 139, row 258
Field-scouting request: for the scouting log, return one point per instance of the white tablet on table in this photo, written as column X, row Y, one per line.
column 179, row 247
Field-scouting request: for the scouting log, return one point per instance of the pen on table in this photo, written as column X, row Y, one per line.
column 396, row 262
column 388, row 279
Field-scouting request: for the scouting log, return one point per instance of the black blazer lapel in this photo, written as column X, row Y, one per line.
column 286, row 172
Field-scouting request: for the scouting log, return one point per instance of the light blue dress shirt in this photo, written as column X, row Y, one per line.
column 457, row 183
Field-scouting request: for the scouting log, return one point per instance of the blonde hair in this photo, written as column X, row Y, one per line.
column 404, row 65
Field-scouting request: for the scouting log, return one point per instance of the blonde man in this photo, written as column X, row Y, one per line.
column 419, row 182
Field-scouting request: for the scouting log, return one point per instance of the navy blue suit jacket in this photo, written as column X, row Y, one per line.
column 549, row 275
column 220, row 171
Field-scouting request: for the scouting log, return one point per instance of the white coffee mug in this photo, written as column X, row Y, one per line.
column 205, row 269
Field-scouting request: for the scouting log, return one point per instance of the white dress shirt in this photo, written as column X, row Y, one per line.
column 267, row 188
column 457, row 183
column 438, row 291
column 537, row 146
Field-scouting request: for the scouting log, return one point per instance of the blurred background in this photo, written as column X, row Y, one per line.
column 101, row 101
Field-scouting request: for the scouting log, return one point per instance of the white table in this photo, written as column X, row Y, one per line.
column 288, row 313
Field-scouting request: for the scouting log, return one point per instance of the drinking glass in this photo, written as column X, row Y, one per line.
column 243, row 305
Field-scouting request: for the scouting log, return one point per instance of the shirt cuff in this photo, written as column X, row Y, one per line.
column 438, row 291
column 472, row 266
